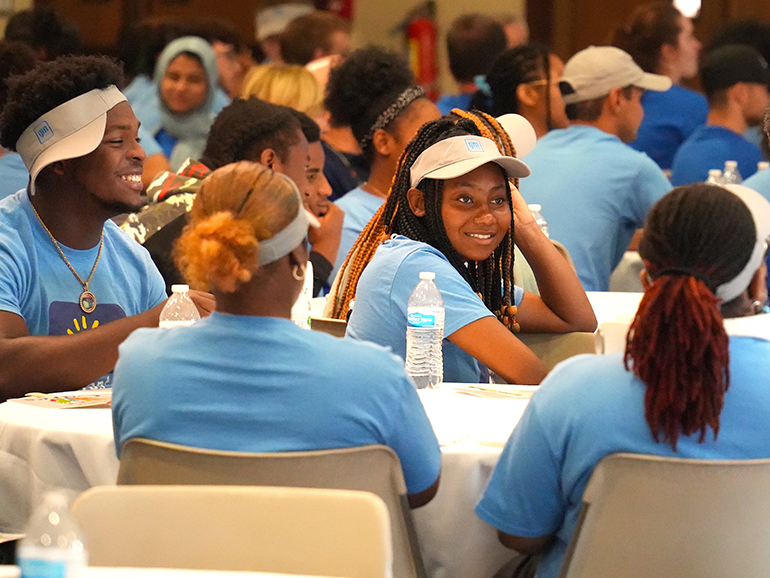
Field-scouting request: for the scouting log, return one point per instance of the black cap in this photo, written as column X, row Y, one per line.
column 728, row 65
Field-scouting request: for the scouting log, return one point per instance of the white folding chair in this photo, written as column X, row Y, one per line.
column 283, row 530
column 651, row 517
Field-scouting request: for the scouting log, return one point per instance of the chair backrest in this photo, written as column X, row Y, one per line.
column 335, row 327
column 553, row 348
column 282, row 530
column 649, row 516
column 373, row 468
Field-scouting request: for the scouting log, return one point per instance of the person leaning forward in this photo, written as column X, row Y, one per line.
column 72, row 285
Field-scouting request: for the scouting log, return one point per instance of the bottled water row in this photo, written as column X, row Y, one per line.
column 731, row 175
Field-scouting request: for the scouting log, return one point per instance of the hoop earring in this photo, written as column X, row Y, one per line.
column 757, row 307
column 298, row 276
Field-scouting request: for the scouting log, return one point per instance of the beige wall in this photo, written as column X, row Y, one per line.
column 374, row 19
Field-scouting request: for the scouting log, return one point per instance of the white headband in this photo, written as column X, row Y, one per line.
column 71, row 130
column 288, row 238
column 760, row 212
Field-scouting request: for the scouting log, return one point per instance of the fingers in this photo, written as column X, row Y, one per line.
column 204, row 301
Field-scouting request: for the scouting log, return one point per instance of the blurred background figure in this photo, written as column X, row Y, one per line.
column 288, row 85
column 186, row 76
column 270, row 23
column 516, row 29
column 315, row 35
column 735, row 78
column 525, row 80
column 473, row 43
column 43, row 30
column 661, row 41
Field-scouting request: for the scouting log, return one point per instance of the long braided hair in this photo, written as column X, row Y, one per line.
column 696, row 238
column 520, row 65
column 491, row 279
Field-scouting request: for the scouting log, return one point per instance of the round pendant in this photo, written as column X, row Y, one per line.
column 87, row 302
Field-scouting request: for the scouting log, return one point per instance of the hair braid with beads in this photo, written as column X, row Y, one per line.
column 696, row 238
column 491, row 278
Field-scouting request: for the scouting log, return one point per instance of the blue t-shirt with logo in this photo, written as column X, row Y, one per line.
column 36, row 284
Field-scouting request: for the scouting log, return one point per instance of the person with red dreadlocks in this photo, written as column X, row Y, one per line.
column 692, row 383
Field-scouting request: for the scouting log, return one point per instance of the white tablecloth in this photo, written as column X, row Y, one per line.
column 102, row 572
column 73, row 449
column 614, row 312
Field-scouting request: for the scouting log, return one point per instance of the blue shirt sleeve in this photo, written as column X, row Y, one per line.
column 148, row 142
column 524, row 497
column 651, row 184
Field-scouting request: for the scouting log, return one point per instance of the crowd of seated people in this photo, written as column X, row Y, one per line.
column 200, row 160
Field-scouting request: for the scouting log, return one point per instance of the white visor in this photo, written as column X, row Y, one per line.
column 760, row 212
column 69, row 131
column 290, row 237
column 459, row 155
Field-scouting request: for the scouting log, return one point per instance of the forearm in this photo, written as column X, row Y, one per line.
column 47, row 363
column 560, row 289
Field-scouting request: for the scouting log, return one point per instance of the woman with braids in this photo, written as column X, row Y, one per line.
column 524, row 80
column 451, row 211
column 692, row 383
column 374, row 93
column 247, row 378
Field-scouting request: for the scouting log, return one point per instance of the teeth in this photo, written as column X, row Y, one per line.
column 132, row 178
column 477, row 236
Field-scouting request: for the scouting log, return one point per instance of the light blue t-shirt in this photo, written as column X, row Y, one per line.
column 14, row 176
column 669, row 118
column 262, row 384
column 590, row 407
column 383, row 293
column 36, row 283
column 708, row 148
column 359, row 207
column 595, row 192
column 760, row 182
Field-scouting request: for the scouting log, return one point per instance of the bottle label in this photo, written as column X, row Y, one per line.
column 421, row 319
column 43, row 568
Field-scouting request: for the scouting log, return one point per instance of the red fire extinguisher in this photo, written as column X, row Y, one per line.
column 420, row 32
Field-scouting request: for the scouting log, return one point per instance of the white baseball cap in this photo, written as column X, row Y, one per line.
column 596, row 70
column 459, row 155
column 71, row 130
column 274, row 19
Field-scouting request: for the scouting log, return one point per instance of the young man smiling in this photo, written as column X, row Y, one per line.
column 72, row 286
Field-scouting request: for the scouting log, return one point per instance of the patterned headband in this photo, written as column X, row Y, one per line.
column 386, row 116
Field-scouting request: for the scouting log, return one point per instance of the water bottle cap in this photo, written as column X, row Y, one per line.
column 731, row 164
column 715, row 172
column 180, row 288
column 427, row 275
column 534, row 208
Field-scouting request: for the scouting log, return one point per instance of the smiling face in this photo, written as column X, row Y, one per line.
column 319, row 190
column 112, row 174
column 184, row 85
column 475, row 211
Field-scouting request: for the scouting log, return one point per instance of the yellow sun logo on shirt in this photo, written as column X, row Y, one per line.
column 84, row 324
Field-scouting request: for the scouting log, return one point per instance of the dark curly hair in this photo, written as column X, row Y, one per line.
column 362, row 87
column 245, row 128
column 50, row 84
column 15, row 58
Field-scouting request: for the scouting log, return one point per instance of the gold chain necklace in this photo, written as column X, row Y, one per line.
column 87, row 299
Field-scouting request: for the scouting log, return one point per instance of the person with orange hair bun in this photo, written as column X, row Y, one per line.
column 246, row 378
column 692, row 383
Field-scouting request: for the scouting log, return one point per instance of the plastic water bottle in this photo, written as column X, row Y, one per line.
column 179, row 309
column 53, row 546
column 300, row 311
column 535, row 210
column 731, row 175
column 715, row 177
column 425, row 333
